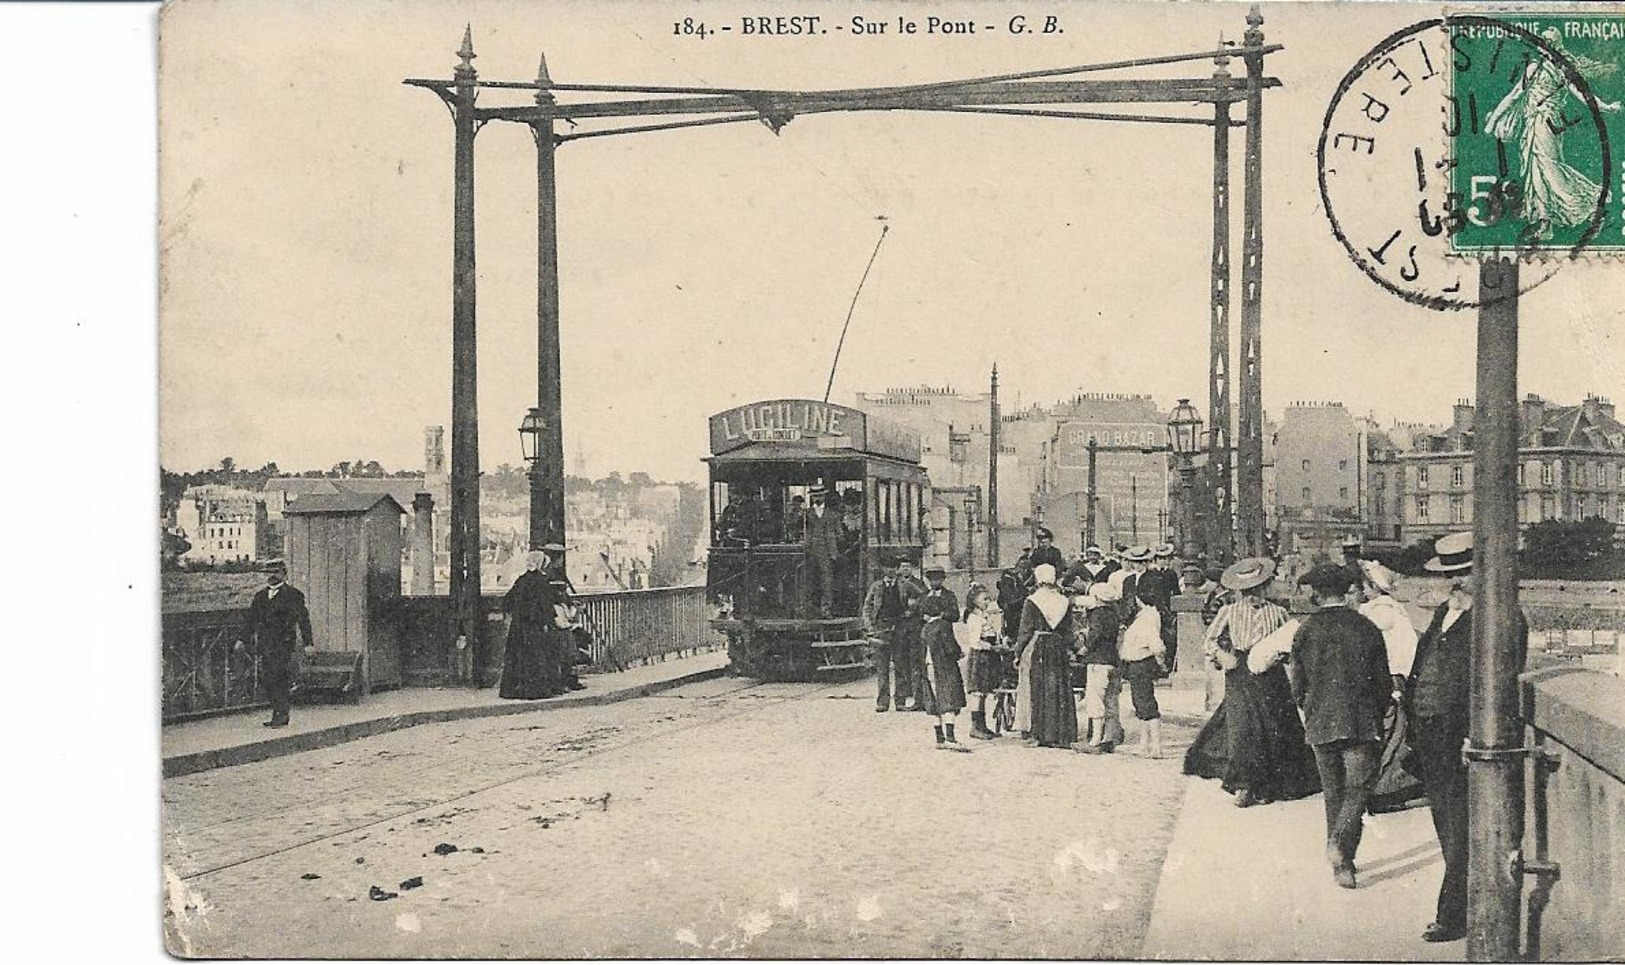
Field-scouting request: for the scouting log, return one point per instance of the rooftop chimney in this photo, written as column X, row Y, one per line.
column 1596, row 405
column 1461, row 417
column 1532, row 415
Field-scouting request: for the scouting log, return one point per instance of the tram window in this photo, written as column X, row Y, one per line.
column 721, row 518
column 795, row 501
column 850, row 492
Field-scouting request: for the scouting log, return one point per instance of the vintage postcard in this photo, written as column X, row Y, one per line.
column 1069, row 480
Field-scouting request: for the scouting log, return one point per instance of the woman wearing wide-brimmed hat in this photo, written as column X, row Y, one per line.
column 1044, row 646
column 1254, row 741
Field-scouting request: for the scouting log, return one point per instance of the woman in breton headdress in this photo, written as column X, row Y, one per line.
column 1044, row 645
column 1254, row 742
column 527, row 671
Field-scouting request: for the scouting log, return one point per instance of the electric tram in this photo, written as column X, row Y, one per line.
column 807, row 500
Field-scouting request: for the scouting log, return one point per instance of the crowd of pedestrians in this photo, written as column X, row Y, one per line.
column 1348, row 701
column 1046, row 633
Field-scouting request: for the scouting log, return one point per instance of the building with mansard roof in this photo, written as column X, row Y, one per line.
column 1571, row 466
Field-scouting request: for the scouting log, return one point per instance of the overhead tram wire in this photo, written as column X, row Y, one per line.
column 852, row 308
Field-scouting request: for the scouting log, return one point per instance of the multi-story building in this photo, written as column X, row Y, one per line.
column 1319, row 460
column 223, row 524
column 955, row 445
column 1131, row 470
column 1571, row 466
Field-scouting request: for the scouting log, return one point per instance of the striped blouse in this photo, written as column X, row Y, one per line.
column 1249, row 620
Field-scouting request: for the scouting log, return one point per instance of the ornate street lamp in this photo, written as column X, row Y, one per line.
column 531, row 431
column 1185, row 429
column 1185, row 440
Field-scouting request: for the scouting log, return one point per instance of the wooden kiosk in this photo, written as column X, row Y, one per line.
column 344, row 552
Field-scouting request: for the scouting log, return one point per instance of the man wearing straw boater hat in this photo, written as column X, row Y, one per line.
column 1157, row 587
column 1437, row 691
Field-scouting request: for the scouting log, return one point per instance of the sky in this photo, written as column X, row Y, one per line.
column 306, row 233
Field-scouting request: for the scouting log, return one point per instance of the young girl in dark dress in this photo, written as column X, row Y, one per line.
column 983, row 672
column 942, row 687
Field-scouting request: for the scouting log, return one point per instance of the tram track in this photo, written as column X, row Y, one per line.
column 442, row 801
column 351, row 790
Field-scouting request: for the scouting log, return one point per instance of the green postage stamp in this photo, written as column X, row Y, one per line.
column 1536, row 132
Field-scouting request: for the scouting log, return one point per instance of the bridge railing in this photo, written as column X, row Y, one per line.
column 202, row 676
column 1575, row 814
column 628, row 628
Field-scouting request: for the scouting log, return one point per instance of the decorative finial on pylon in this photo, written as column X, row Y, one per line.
column 1255, row 27
column 544, row 83
column 465, row 55
column 1221, row 63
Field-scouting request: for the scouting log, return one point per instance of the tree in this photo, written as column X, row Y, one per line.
column 1560, row 543
column 172, row 545
column 228, row 465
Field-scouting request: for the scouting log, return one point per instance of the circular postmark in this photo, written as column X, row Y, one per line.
column 1458, row 139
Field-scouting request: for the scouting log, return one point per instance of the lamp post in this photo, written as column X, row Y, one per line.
column 531, row 432
column 1184, row 439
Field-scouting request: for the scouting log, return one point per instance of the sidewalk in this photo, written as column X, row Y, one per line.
column 239, row 739
column 1253, row 885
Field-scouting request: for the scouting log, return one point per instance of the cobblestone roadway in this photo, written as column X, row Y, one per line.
column 770, row 821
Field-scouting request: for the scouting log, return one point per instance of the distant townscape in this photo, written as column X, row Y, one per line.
column 630, row 533
column 1329, row 475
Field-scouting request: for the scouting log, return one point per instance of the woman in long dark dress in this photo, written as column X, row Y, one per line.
column 1254, row 742
column 527, row 673
column 944, row 687
column 1046, row 627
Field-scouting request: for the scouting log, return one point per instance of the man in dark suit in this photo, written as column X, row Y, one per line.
column 882, row 612
column 1437, row 692
column 1157, row 587
column 824, row 540
column 1342, row 671
column 277, row 617
column 1046, row 551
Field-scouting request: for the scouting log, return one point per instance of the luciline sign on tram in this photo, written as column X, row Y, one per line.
column 803, row 422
